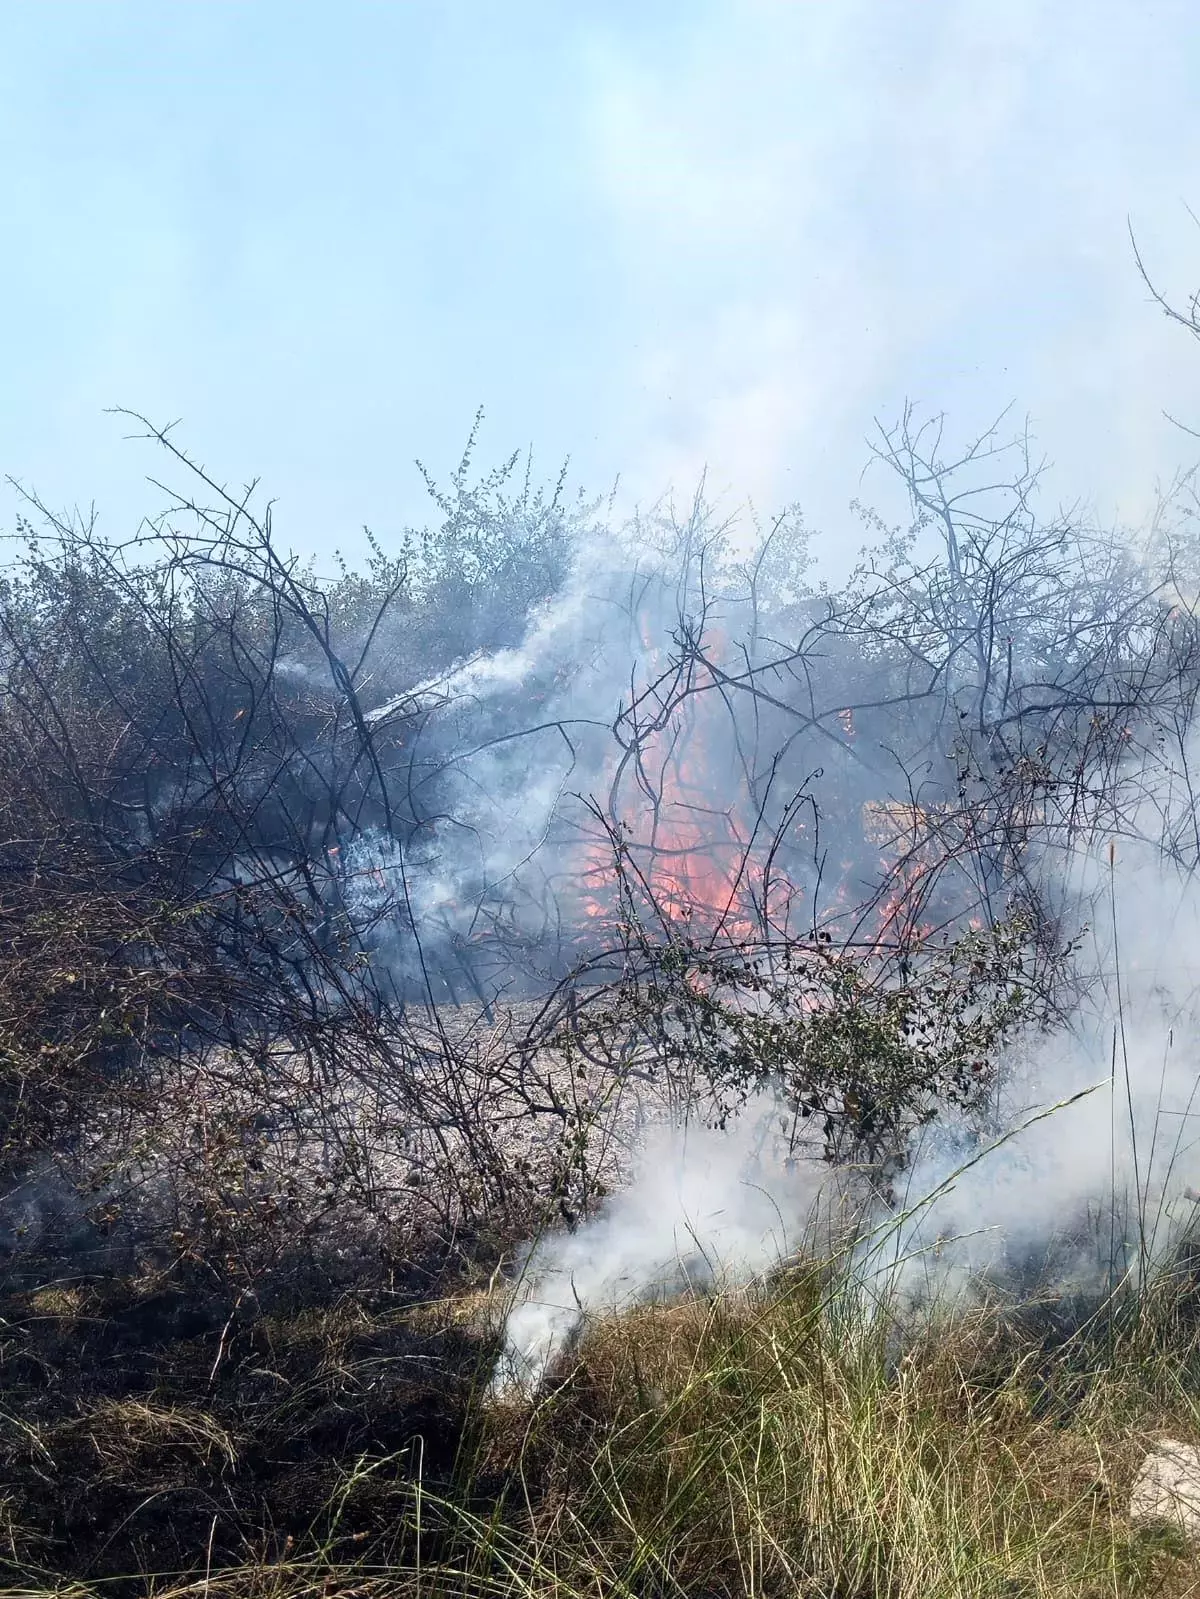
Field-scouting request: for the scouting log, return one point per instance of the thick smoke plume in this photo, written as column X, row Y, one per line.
column 720, row 829
column 1083, row 1173
column 1088, row 1170
column 705, row 1206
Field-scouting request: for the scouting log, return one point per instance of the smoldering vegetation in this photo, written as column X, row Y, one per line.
column 405, row 966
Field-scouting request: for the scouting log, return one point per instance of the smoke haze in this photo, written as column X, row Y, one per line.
column 1086, row 1168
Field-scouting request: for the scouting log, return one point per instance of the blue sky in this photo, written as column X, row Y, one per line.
column 658, row 238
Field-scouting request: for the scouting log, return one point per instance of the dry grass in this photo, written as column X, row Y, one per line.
column 767, row 1442
column 766, row 1447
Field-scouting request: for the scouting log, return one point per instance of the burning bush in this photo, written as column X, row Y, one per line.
column 425, row 866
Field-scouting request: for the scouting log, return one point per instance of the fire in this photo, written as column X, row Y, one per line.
column 693, row 854
column 692, row 859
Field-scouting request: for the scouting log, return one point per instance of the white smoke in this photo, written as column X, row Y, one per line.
column 505, row 778
column 705, row 1206
column 1095, row 1124
column 577, row 632
column 1088, row 1169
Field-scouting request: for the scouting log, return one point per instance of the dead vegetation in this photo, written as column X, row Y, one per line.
column 298, row 1049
